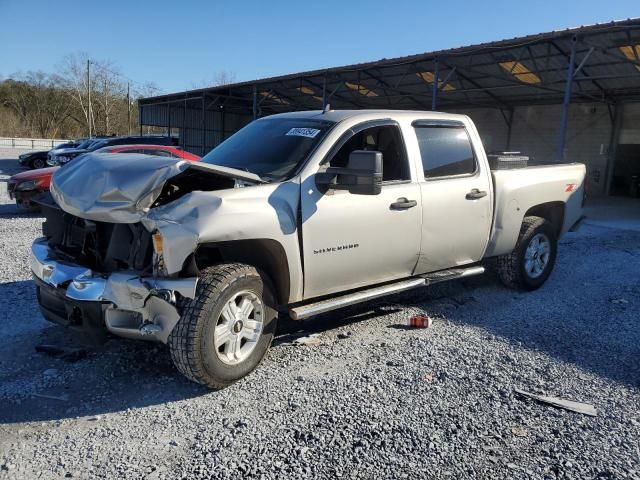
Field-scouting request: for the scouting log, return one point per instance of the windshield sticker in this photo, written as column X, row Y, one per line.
column 303, row 132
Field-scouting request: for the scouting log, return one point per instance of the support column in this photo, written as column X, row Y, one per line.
column 564, row 119
column 509, row 125
column 183, row 131
column 169, row 122
column 436, row 86
column 255, row 102
column 324, row 92
column 614, row 140
column 140, row 118
column 204, row 127
column 222, row 116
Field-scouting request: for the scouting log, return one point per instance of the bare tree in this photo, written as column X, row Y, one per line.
column 110, row 90
column 218, row 79
column 76, row 84
column 35, row 99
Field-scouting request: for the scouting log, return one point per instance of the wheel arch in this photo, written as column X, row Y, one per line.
column 553, row 212
column 267, row 255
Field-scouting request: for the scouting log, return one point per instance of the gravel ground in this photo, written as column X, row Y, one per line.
column 370, row 399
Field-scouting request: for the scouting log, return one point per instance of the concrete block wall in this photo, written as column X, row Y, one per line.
column 630, row 130
column 535, row 131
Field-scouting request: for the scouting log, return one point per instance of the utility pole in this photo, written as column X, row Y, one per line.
column 128, row 109
column 89, row 95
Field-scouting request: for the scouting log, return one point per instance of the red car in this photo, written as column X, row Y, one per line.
column 23, row 186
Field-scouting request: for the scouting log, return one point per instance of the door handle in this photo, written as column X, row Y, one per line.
column 402, row 203
column 475, row 194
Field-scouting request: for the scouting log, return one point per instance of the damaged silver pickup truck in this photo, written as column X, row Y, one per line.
column 298, row 213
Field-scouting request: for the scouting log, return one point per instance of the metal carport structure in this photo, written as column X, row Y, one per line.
column 598, row 64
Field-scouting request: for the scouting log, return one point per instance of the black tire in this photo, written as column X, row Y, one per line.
column 191, row 342
column 511, row 268
column 38, row 163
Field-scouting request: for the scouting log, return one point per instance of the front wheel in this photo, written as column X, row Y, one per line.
column 533, row 258
column 226, row 330
column 38, row 163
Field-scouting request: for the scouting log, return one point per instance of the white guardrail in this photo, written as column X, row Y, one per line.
column 9, row 142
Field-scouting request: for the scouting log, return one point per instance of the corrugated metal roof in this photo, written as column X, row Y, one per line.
column 468, row 76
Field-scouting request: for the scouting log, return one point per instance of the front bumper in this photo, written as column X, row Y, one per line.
column 23, row 197
column 124, row 303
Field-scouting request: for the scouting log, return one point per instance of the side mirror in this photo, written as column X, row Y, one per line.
column 362, row 176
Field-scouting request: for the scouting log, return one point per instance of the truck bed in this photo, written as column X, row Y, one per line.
column 517, row 191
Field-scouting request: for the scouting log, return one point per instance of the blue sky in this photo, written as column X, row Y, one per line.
column 181, row 44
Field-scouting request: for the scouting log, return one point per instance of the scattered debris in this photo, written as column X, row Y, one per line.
column 428, row 378
column 578, row 407
column 519, row 431
column 394, row 363
column 50, row 373
column 313, row 339
column 62, row 398
column 342, row 336
column 420, row 321
column 70, row 354
column 619, row 301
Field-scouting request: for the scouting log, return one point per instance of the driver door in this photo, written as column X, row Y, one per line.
column 352, row 240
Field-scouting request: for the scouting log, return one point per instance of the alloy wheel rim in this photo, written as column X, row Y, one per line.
column 239, row 327
column 537, row 254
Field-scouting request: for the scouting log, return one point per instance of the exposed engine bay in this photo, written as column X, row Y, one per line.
column 101, row 246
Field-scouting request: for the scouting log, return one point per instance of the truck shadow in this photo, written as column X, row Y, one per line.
column 598, row 333
column 114, row 377
column 557, row 322
column 11, row 210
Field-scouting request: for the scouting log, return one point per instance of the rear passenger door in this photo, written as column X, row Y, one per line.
column 456, row 196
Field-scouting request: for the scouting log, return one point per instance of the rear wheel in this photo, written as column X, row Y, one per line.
column 38, row 163
column 533, row 258
column 226, row 330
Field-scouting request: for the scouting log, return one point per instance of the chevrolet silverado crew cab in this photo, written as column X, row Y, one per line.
column 298, row 213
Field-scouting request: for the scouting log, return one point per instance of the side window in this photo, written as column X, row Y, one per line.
column 386, row 139
column 445, row 151
column 158, row 153
column 133, row 150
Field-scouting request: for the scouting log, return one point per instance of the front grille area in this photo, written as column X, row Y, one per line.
column 101, row 246
column 11, row 187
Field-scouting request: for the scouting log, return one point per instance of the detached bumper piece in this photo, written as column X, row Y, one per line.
column 124, row 303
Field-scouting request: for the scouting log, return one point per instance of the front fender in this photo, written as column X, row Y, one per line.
column 263, row 212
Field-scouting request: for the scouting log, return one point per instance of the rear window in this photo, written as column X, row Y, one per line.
column 445, row 151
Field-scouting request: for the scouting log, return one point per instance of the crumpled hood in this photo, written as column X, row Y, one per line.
column 113, row 188
column 106, row 187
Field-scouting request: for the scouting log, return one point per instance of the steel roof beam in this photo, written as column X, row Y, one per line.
column 581, row 66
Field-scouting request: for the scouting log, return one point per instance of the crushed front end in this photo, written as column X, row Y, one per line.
column 98, row 276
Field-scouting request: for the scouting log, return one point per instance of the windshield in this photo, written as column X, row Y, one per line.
column 272, row 148
column 85, row 143
column 96, row 144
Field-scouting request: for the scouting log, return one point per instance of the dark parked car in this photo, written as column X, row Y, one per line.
column 39, row 159
column 24, row 186
column 61, row 157
column 33, row 159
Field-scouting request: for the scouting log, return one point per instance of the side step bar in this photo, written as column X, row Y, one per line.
column 452, row 274
column 305, row 311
